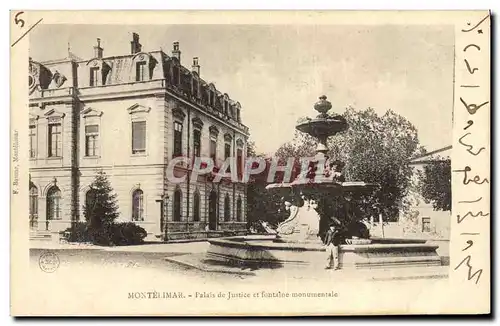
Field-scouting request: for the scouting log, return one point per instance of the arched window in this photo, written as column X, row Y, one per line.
column 54, row 203
column 177, row 205
column 196, row 207
column 238, row 209
column 227, row 209
column 33, row 204
column 138, row 205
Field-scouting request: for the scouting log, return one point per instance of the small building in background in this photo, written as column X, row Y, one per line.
column 430, row 222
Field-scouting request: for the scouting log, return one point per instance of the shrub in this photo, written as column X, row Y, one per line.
column 119, row 234
column 127, row 233
column 102, row 236
column 78, row 232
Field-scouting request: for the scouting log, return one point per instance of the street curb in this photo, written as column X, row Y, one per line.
column 193, row 266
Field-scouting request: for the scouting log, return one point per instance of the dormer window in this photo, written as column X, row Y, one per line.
column 175, row 77
column 238, row 108
column 144, row 64
column 225, row 103
column 140, row 71
column 98, row 72
column 211, row 95
column 94, row 76
column 212, row 98
column 204, row 93
column 194, row 82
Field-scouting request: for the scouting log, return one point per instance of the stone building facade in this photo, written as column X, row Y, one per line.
column 429, row 221
column 129, row 116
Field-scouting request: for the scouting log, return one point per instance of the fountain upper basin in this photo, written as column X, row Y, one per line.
column 321, row 127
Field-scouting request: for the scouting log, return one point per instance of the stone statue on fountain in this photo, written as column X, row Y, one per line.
column 303, row 222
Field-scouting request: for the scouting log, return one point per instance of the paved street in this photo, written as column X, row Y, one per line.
column 159, row 259
column 101, row 277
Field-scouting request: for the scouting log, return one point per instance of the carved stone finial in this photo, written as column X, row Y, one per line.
column 322, row 106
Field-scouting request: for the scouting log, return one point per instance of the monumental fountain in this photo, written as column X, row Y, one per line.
column 318, row 196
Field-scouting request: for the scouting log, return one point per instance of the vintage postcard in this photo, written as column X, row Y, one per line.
column 275, row 163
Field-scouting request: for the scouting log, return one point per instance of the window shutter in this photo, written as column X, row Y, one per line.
column 139, row 136
column 91, row 129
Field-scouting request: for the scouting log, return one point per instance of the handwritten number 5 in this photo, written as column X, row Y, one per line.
column 18, row 20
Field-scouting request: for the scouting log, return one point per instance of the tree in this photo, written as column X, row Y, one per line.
column 261, row 204
column 435, row 184
column 101, row 207
column 302, row 145
column 377, row 149
column 251, row 148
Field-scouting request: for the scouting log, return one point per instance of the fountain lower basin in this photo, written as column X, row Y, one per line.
column 271, row 251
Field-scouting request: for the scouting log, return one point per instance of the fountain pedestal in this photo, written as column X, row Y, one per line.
column 272, row 251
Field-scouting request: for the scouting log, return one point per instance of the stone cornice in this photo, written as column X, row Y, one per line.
column 156, row 88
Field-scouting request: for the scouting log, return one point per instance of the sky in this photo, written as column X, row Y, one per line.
column 278, row 72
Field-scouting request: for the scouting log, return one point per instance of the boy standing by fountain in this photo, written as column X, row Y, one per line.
column 332, row 242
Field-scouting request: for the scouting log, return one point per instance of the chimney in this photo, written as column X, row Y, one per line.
column 176, row 53
column 98, row 50
column 135, row 46
column 196, row 66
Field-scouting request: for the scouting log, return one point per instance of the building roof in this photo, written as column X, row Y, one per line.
column 433, row 156
column 207, row 95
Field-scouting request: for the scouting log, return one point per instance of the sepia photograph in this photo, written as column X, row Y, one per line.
column 202, row 166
